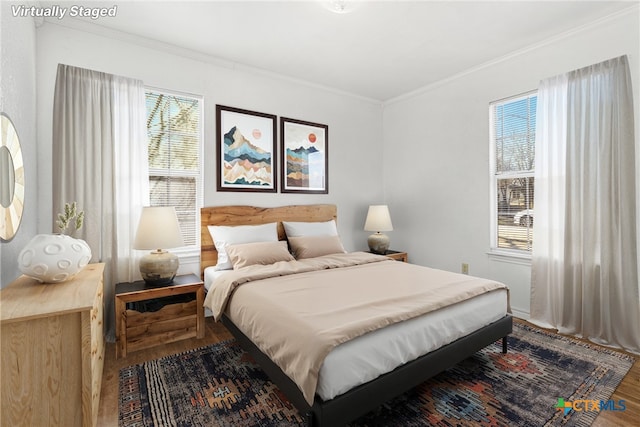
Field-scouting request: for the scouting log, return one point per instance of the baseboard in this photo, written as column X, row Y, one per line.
column 520, row 314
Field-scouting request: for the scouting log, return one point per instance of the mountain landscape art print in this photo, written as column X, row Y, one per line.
column 246, row 149
column 305, row 156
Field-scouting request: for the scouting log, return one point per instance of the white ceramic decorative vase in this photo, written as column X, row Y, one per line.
column 53, row 258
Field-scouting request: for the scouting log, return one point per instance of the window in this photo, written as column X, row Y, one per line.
column 174, row 132
column 513, row 126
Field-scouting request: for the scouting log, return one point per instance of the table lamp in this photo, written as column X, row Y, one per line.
column 378, row 219
column 158, row 230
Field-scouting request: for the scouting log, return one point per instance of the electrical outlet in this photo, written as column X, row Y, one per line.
column 465, row 268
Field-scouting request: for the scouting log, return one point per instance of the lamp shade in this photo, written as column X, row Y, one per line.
column 158, row 229
column 378, row 219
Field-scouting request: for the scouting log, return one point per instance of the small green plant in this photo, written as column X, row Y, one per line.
column 70, row 215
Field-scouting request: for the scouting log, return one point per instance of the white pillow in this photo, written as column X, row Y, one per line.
column 298, row 229
column 223, row 235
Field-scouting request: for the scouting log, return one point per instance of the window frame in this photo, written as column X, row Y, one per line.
column 507, row 254
column 188, row 251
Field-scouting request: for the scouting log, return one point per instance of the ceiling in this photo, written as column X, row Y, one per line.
column 378, row 50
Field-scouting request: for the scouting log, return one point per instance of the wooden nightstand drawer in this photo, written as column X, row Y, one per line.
column 172, row 322
column 149, row 316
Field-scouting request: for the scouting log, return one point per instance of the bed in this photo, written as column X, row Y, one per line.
column 473, row 323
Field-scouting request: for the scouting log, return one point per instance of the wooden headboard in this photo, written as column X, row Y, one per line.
column 251, row 215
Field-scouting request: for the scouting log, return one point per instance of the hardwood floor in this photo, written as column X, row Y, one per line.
column 628, row 390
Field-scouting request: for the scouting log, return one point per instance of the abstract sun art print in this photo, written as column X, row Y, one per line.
column 304, row 148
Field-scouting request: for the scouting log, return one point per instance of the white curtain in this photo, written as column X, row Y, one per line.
column 549, row 202
column 100, row 162
column 584, row 263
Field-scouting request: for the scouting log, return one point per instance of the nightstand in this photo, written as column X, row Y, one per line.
column 397, row 255
column 147, row 316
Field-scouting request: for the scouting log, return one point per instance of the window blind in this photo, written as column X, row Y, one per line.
column 513, row 144
column 174, row 138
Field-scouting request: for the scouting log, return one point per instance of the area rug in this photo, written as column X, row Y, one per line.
column 544, row 379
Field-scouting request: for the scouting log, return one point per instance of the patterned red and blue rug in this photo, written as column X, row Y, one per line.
column 544, row 379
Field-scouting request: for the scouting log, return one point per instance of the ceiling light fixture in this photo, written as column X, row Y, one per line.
column 341, row 6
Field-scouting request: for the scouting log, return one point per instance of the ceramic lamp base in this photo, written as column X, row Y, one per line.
column 159, row 267
column 378, row 243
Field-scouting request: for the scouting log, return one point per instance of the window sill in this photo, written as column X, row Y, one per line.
column 513, row 257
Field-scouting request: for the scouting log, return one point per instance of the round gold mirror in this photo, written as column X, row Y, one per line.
column 11, row 180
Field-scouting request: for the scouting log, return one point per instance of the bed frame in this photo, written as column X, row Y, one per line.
column 366, row 397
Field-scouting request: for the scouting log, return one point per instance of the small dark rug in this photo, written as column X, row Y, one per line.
column 221, row 385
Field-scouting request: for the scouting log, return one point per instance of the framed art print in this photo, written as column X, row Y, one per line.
column 305, row 157
column 246, row 147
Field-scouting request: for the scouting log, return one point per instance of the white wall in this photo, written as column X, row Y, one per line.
column 436, row 150
column 355, row 127
column 18, row 101
column 439, row 203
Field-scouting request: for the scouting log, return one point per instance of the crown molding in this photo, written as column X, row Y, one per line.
column 551, row 40
column 99, row 30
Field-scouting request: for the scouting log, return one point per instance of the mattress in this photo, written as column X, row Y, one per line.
column 368, row 356
column 211, row 274
column 365, row 358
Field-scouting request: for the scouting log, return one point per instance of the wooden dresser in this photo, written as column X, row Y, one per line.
column 52, row 350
